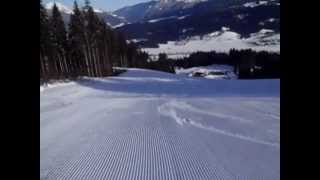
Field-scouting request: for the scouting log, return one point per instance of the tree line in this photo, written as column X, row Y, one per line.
column 247, row 62
column 86, row 46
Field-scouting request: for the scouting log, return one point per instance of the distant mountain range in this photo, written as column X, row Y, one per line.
column 110, row 18
column 172, row 20
column 161, row 8
column 154, row 22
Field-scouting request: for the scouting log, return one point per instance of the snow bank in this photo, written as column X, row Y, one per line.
column 55, row 84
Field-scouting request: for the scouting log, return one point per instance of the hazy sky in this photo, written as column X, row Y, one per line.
column 108, row 5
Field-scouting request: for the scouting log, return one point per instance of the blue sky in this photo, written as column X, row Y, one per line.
column 108, row 5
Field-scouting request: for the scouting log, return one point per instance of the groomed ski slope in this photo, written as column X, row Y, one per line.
column 149, row 125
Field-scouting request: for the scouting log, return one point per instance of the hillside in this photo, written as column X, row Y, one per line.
column 147, row 124
column 157, row 23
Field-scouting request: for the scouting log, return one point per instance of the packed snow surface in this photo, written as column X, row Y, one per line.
column 147, row 125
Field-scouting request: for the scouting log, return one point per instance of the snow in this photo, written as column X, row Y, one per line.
column 225, row 28
column 60, row 6
column 187, row 29
column 138, row 40
column 255, row 4
column 265, row 31
column 161, row 19
column 216, row 33
column 182, row 17
column 116, row 16
column 147, row 124
column 220, row 41
column 271, row 20
column 241, row 16
column 55, row 84
column 166, row 18
column 228, row 70
column 188, row 1
column 98, row 10
column 65, row 8
column 119, row 25
column 265, row 37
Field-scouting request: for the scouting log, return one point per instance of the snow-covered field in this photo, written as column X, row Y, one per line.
column 255, row 4
column 220, row 41
column 152, row 125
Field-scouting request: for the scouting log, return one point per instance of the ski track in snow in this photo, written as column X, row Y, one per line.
column 88, row 130
column 168, row 110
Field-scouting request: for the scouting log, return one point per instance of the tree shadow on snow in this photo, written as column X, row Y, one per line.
column 187, row 87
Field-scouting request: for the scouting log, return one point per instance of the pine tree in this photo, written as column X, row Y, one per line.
column 59, row 38
column 87, row 5
column 87, row 38
column 104, row 49
column 76, row 42
column 45, row 40
column 121, row 50
column 92, row 29
column 89, row 47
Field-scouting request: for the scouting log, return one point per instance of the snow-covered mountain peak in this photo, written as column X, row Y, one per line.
column 165, row 5
column 66, row 9
column 98, row 10
column 60, row 6
column 186, row 1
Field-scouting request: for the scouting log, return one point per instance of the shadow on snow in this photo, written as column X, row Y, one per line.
column 185, row 87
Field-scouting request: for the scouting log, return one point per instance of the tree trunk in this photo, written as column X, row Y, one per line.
column 86, row 60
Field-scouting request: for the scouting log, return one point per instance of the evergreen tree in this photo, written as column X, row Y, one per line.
column 89, row 47
column 123, row 50
column 45, row 44
column 105, row 48
column 87, row 5
column 93, row 36
column 76, row 42
column 96, row 40
column 163, row 57
column 59, row 40
column 132, row 55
